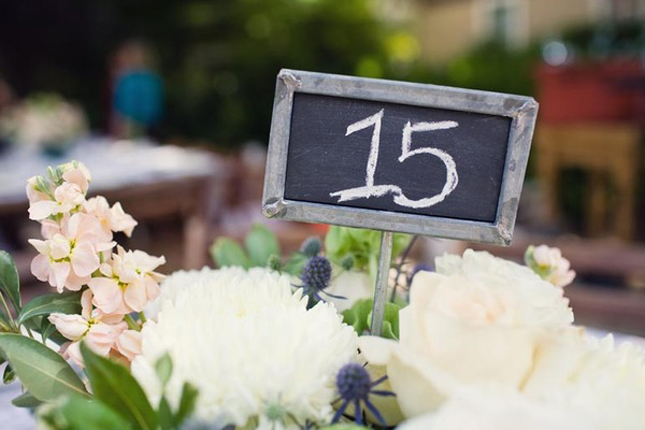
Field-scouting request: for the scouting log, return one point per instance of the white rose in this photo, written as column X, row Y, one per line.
column 497, row 409
column 478, row 320
column 592, row 378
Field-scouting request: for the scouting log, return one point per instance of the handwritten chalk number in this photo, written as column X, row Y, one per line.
column 371, row 190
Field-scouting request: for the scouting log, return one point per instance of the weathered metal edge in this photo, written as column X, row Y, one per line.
column 517, row 155
column 409, row 93
column 522, row 110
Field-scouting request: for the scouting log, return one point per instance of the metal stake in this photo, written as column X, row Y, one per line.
column 380, row 291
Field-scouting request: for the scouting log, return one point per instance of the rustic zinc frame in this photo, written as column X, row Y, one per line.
column 522, row 111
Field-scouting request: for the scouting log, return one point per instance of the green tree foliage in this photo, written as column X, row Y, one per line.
column 219, row 58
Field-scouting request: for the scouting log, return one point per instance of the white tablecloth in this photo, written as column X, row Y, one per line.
column 113, row 165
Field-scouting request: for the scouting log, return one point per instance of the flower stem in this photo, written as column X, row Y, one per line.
column 131, row 323
column 12, row 323
column 143, row 317
column 404, row 256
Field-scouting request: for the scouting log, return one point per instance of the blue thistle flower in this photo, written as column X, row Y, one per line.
column 311, row 247
column 355, row 386
column 315, row 277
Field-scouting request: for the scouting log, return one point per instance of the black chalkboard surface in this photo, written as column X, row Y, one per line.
column 323, row 159
column 397, row 156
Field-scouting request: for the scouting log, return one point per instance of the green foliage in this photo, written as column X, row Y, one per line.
column 113, row 385
column 359, row 316
column 43, row 372
column 65, row 303
column 26, row 400
column 163, row 367
column 311, row 247
column 118, row 396
column 227, row 252
column 492, row 66
column 295, row 264
column 186, row 403
column 8, row 375
column 164, row 414
column 362, row 245
column 622, row 38
column 9, row 283
column 261, row 244
column 261, row 247
column 79, row 413
column 220, row 58
column 48, row 331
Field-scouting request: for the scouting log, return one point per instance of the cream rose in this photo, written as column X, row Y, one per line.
column 479, row 319
column 593, row 378
column 498, row 409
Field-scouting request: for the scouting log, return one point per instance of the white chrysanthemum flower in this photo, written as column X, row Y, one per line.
column 249, row 345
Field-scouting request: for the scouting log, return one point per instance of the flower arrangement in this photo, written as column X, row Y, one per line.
column 43, row 121
column 284, row 343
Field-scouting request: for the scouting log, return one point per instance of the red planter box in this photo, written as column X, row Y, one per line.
column 609, row 91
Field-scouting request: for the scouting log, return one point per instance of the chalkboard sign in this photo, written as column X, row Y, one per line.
column 397, row 156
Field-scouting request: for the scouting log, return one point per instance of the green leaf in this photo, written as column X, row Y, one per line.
column 359, row 317
column 165, row 415
column 399, row 242
column 260, row 244
column 8, row 376
column 26, row 400
column 390, row 328
column 79, row 413
column 356, row 316
column 9, row 282
column 295, row 264
column 163, row 367
column 64, row 303
column 336, row 243
column 113, row 385
column 48, row 331
column 187, row 403
column 44, row 373
column 363, row 245
column 227, row 252
column 4, row 322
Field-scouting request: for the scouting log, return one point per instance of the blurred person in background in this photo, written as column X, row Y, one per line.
column 137, row 91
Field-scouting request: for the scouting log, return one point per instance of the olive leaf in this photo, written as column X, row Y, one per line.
column 43, row 372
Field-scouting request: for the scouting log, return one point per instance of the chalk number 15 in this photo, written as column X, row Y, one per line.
column 371, row 190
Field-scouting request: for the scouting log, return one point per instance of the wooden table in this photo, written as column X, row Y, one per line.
column 186, row 187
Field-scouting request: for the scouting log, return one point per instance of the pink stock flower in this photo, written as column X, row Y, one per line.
column 33, row 194
column 121, row 221
column 550, row 265
column 100, row 333
column 70, row 256
column 66, row 198
column 110, row 219
column 129, row 344
column 76, row 173
column 129, row 283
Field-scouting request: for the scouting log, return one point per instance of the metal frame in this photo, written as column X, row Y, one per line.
column 522, row 110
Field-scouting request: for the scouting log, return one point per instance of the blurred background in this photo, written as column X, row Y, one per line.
column 168, row 102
